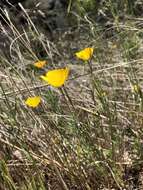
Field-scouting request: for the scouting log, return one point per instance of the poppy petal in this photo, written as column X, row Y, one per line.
column 57, row 77
column 33, row 101
column 40, row 64
column 85, row 54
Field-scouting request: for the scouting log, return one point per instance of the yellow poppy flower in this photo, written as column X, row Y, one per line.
column 57, row 77
column 33, row 101
column 40, row 64
column 85, row 54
